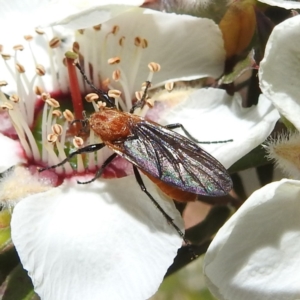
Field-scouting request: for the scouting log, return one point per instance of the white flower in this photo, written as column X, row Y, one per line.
column 105, row 239
column 279, row 70
column 213, row 115
column 255, row 254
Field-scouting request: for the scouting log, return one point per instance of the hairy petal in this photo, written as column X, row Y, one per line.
column 255, row 255
column 105, row 240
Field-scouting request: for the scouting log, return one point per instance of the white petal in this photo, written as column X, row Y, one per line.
column 186, row 47
column 11, row 153
column 83, row 14
column 14, row 13
column 213, row 115
column 283, row 3
column 279, row 70
column 104, row 240
column 38, row 12
column 255, row 255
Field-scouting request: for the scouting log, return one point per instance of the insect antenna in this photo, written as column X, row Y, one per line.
column 104, row 95
column 178, row 125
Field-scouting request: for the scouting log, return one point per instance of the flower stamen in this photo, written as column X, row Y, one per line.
column 116, row 94
column 91, row 98
column 153, row 67
column 57, row 130
column 78, row 143
column 19, row 130
column 169, row 86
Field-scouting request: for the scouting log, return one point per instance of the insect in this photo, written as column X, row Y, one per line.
column 176, row 164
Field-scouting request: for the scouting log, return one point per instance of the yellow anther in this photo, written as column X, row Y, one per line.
column 114, row 93
column 55, row 42
column 91, row 97
column 69, row 116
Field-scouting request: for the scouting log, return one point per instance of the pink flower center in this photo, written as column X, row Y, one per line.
column 42, row 122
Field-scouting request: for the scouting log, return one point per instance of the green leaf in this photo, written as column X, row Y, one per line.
column 18, row 286
column 8, row 261
column 255, row 158
column 240, row 67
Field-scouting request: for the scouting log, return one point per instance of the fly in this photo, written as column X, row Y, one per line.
column 176, row 164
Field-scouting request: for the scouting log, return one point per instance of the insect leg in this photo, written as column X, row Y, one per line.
column 178, row 125
column 168, row 218
column 87, row 149
column 101, row 169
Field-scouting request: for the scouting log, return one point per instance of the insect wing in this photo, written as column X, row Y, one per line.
column 176, row 160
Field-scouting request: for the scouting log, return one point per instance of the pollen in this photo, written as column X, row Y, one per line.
column 76, row 47
column 55, row 42
column 7, row 105
column 18, row 47
column 20, row 68
column 28, row 38
column 19, row 183
column 97, row 27
column 116, row 75
column 138, row 41
column 101, row 104
column 91, row 97
column 115, row 29
column 57, row 129
column 68, row 115
column 38, row 90
column 114, row 93
column 78, row 142
column 150, row 102
column 52, row 138
column 56, row 113
column 6, row 56
column 121, row 41
column 39, row 31
column 139, row 95
column 114, row 60
column 169, row 86
column 52, row 102
column 45, row 96
column 144, row 44
column 14, row 98
column 40, row 70
column 154, row 67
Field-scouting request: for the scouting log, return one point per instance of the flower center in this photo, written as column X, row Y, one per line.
column 42, row 123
